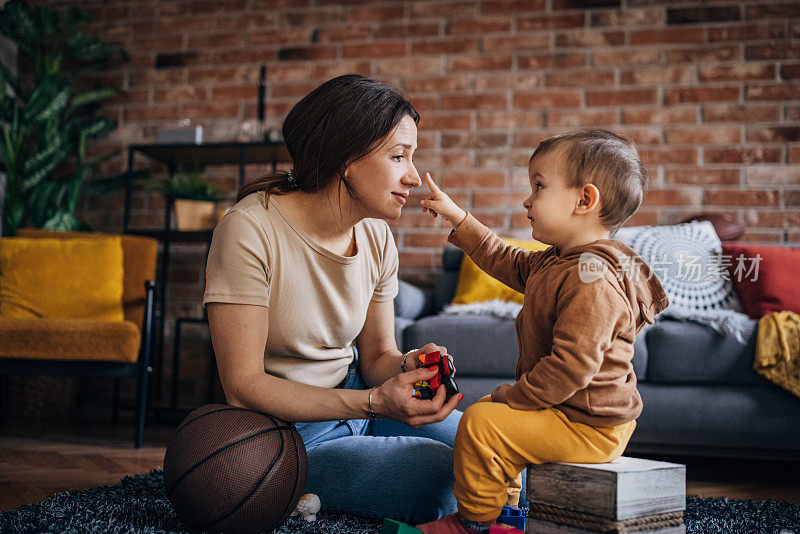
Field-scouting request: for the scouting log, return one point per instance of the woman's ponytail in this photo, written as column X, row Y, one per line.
column 277, row 182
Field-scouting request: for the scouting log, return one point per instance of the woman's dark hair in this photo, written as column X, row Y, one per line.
column 335, row 125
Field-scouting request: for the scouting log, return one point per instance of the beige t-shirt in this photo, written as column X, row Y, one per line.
column 317, row 300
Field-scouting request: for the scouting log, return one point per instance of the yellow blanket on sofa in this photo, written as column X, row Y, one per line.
column 778, row 350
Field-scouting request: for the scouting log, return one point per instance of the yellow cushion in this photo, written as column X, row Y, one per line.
column 69, row 339
column 139, row 255
column 474, row 285
column 74, row 278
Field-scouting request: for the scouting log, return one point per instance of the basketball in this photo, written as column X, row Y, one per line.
column 234, row 470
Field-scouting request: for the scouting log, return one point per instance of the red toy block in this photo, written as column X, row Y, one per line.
column 446, row 367
column 500, row 528
column 436, row 381
column 429, row 358
column 427, row 389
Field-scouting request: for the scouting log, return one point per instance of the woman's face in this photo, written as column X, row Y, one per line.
column 384, row 178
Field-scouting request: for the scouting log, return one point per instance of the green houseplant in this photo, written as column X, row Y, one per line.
column 193, row 199
column 189, row 186
column 47, row 116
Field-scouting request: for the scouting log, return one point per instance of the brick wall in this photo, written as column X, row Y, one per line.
column 710, row 94
column 709, row 91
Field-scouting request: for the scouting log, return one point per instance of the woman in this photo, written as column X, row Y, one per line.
column 302, row 271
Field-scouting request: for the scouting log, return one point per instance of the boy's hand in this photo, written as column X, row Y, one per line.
column 438, row 203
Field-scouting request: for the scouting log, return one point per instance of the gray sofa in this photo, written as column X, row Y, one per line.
column 701, row 395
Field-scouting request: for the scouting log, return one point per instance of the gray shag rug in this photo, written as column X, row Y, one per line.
column 138, row 504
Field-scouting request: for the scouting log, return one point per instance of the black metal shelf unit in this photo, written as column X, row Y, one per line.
column 189, row 157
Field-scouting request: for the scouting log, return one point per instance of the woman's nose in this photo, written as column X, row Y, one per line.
column 412, row 177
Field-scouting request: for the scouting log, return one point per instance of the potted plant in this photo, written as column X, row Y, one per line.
column 194, row 200
column 47, row 115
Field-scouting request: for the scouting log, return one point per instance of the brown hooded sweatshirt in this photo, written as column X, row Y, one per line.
column 577, row 326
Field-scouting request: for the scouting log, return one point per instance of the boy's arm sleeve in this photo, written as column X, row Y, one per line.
column 507, row 263
column 589, row 316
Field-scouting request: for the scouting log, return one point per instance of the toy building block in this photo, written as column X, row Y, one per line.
column 511, row 515
column 502, row 528
column 427, row 389
column 390, row 526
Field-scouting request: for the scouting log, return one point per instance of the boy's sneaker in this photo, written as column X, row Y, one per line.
column 453, row 524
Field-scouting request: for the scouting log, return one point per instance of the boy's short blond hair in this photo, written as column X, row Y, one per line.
column 610, row 162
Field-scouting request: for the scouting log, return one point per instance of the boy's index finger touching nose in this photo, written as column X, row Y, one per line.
column 431, row 184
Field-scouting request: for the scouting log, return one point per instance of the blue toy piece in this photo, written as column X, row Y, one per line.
column 511, row 515
column 390, row 526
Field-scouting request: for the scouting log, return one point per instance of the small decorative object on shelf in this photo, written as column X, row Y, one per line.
column 269, row 135
column 184, row 134
column 194, row 214
column 247, row 131
column 194, row 200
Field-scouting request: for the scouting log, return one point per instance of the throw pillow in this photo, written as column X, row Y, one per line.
column 70, row 278
column 627, row 233
column 687, row 259
column 474, row 285
column 764, row 277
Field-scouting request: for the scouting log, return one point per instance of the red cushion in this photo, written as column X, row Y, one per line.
column 770, row 287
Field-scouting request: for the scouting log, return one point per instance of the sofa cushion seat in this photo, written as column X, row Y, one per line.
column 716, row 416
column 689, row 353
column 463, row 334
column 479, row 344
column 69, row 339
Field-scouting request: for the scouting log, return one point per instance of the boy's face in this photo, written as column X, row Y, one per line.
column 551, row 204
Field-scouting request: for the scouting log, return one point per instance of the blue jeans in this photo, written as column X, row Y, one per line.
column 382, row 468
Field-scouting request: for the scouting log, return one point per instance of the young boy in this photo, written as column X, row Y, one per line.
column 586, row 298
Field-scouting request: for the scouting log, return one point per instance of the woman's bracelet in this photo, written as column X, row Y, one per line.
column 403, row 361
column 372, row 413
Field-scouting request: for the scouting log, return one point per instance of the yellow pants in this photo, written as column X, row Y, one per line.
column 494, row 442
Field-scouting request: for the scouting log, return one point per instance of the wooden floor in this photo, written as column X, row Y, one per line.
column 40, row 459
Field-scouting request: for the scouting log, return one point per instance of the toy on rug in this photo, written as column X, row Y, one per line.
column 426, row 389
column 390, row 526
column 502, row 528
column 307, row 507
column 511, row 515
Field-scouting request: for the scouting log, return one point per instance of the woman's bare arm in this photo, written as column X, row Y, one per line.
column 379, row 361
column 378, row 356
column 377, row 350
column 239, row 335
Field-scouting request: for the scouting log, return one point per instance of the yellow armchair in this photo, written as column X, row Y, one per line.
column 51, row 339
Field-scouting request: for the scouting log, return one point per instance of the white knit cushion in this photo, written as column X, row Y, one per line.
column 687, row 258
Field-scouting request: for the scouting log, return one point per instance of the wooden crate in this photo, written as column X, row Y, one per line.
column 535, row 526
column 626, row 488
